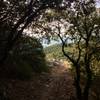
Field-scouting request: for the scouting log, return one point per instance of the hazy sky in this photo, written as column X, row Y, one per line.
column 98, row 3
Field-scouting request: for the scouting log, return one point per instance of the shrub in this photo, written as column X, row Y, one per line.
column 27, row 56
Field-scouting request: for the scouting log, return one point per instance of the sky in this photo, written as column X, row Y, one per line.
column 98, row 4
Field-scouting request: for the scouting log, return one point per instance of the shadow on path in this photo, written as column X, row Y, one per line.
column 56, row 85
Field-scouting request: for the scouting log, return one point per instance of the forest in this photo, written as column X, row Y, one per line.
column 49, row 50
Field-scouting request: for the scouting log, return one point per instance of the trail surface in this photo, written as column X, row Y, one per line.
column 56, row 85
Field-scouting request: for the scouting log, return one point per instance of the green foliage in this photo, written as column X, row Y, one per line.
column 54, row 52
column 24, row 70
column 26, row 57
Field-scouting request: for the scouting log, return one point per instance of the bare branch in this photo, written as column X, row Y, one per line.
column 63, row 47
column 80, row 50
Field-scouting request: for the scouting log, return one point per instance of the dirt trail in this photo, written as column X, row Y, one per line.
column 58, row 85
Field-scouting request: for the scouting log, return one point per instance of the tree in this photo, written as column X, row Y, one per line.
column 83, row 32
column 82, row 29
column 15, row 16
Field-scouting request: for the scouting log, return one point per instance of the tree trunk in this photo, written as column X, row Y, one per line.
column 78, row 90
column 88, row 82
column 77, row 83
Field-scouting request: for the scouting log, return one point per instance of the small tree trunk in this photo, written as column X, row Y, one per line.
column 77, row 83
column 78, row 90
column 88, row 83
column 86, row 90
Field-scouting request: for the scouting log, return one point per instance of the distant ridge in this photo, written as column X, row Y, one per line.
column 98, row 10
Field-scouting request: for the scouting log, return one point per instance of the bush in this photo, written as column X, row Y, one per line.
column 27, row 56
column 24, row 71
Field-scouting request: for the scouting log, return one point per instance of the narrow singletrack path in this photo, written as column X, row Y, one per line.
column 56, row 85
